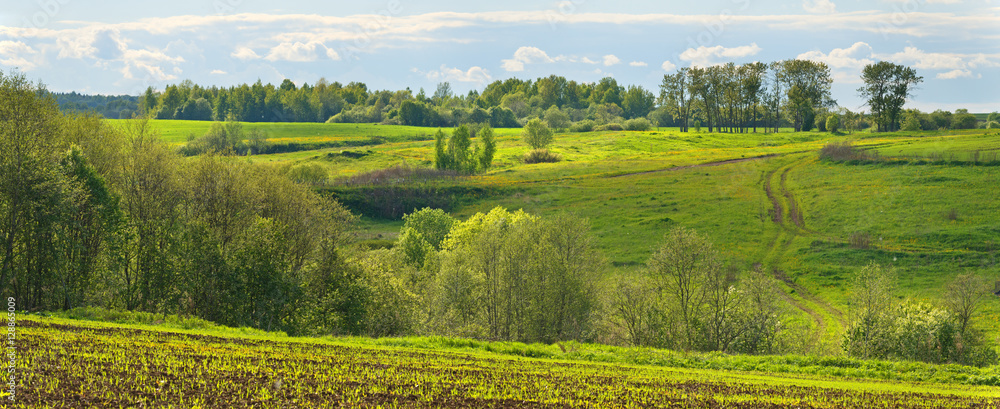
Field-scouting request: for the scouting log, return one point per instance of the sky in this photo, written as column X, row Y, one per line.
column 123, row 47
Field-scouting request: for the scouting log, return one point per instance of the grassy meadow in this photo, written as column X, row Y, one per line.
column 928, row 206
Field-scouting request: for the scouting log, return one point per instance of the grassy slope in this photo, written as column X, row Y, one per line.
column 77, row 363
column 902, row 207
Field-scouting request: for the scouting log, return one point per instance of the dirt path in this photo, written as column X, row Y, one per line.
column 700, row 165
column 791, row 228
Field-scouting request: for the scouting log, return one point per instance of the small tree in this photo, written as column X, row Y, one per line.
column 963, row 297
column 682, row 267
column 536, row 134
column 489, row 148
column 874, row 312
column 833, row 123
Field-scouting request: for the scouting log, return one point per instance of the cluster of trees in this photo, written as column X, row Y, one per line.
column 501, row 275
column 734, row 98
column 914, row 120
column 97, row 215
column 108, row 106
column 687, row 299
column 461, row 154
column 503, row 104
column 884, row 327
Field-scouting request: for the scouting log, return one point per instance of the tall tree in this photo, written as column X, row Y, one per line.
column 675, row 95
column 808, row 84
column 887, row 86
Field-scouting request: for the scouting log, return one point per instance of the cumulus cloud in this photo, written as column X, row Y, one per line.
column 925, row 60
column 819, row 6
column 706, row 56
column 588, row 61
column 668, row 66
column 300, row 52
column 523, row 56
column 16, row 53
column 855, row 56
column 245, row 54
column 476, row 75
column 954, row 74
column 611, row 59
column 218, row 72
column 102, row 44
column 638, row 64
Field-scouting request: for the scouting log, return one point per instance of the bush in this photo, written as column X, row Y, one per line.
column 833, row 123
column 610, row 127
column 638, row 124
column 541, row 156
column 585, row 125
column 536, row 134
column 841, row 152
column 310, row 173
column 861, row 240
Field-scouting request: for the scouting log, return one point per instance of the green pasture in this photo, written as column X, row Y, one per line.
column 930, row 208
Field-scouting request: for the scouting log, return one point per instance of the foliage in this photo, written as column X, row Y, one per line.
column 833, row 123
column 540, row 156
column 638, row 124
column 459, row 154
column 886, row 88
column 536, row 134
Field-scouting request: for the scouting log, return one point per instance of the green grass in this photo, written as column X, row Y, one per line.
column 633, row 188
column 71, row 363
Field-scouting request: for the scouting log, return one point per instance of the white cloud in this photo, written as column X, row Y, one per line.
column 705, row 56
column 476, row 75
column 638, row 64
column 588, row 61
column 855, row 56
column 102, row 44
column 244, row 54
column 819, row 6
column 611, row 59
column 299, row 52
column 922, row 59
column 954, row 74
column 16, row 53
column 218, row 72
column 668, row 66
column 525, row 55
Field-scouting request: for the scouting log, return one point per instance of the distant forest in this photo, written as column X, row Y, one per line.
column 723, row 98
column 108, row 106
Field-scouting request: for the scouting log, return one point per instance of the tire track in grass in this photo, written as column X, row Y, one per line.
column 790, row 228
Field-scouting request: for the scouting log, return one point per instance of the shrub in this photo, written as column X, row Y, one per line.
column 861, row 240
column 536, row 134
column 585, row 125
column 638, row 124
column 842, row 151
column 610, row 127
column 311, row 173
column 833, row 123
column 541, row 156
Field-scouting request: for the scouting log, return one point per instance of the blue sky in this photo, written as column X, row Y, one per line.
column 121, row 47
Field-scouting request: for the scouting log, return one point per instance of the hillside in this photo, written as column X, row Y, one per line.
column 926, row 206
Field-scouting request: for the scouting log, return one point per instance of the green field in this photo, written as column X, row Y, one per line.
column 761, row 198
column 70, row 363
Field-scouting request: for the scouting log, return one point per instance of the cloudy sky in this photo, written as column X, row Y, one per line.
column 122, row 47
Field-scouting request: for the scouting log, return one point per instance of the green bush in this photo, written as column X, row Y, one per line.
column 541, row 156
column 585, row 125
column 638, row 124
column 614, row 126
